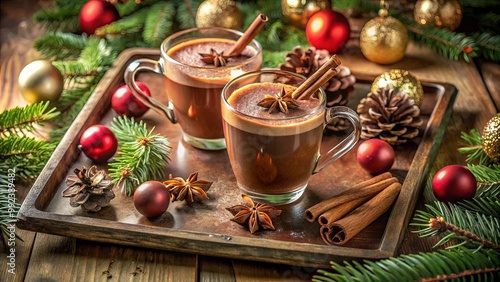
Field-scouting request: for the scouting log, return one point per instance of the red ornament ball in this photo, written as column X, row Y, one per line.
column 151, row 198
column 375, row 156
column 454, row 183
column 98, row 143
column 125, row 103
column 329, row 30
column 96, row 13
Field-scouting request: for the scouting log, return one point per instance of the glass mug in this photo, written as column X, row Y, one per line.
column 273, row 155
column 193, row 88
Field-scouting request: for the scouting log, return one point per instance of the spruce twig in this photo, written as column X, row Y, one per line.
column 483, row 226
column 142, row 156
column 481, row 265
column 21, row 120
column 439, row 224
column 474, row 148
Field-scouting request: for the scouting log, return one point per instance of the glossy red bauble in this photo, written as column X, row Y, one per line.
column 375, row 156
column 125, row 103
column 329, row 30
column 96, row 13
column 454, row 183
column 98, row 143
column 151, row 198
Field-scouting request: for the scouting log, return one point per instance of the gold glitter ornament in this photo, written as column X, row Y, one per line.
column 438, row 13
column 402, row 80
column 219, row 13
column 491, row 139
column 40, row 81
column 298, row 12
column 384, row 39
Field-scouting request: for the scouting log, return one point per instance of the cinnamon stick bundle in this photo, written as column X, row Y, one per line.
column 347, row 227
column 249, row 34
column 318, row 79
column 365, row 188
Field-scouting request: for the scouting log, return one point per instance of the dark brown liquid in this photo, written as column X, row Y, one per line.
column 271, row 157
column 195, row 92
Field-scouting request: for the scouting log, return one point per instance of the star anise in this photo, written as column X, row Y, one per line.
column 254, row 215
column 280, row 102
column 192, row 189
column 215, row 58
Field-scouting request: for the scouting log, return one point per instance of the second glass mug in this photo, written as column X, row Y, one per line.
column 274, row 156
column 192, row 87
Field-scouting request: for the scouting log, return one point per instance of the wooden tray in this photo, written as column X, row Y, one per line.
column 205, row 228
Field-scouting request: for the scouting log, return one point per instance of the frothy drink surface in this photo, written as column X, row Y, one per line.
column 245, row 100
column 195, row 87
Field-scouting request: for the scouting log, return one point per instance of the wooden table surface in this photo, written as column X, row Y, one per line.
column 44, row 257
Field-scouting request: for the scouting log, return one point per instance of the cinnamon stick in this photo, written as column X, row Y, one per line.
column 317, row 79
column 249, row 34
column 365, row 188
column 330, row 216
column 344, row 229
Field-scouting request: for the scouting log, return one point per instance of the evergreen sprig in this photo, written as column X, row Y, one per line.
column 488, row 180
column 159, row 23
column 142, row 156
column 459, row 263
column 474, row 148
column 489, row 44
column 27, row 154
column 21, row 120
column 60, row 45
column 469, row 222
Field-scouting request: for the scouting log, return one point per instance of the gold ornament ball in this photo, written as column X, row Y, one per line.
column 402, row 80
column 221, row 13
column 383, row 40
column 40, row 81
column 491, row 139
column 438, row 13
column 298, row 12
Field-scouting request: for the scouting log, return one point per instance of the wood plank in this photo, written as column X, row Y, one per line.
column 491, row 74
column 58, row 258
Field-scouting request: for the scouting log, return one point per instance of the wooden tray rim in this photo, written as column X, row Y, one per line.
column 32, row 217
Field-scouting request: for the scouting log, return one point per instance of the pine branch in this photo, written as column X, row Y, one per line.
column 485, row 205
column 481, row 265
column 488, row 178
column 62, row 18
column 482, row 226
column 66, row 118
column 142, row 156
column 60, row 46
column 125, row 27
column 489, row 44
column 159, row 22
column 449, row 44
column 21, row 120
column 474, row 149
column 26, row 154
column 186, row 13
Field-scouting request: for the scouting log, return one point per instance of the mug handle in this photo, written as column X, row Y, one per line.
column 129, row 77
column 346, row 144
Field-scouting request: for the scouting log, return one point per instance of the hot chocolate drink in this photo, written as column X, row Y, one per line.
column 194, row 87
column 271, row 153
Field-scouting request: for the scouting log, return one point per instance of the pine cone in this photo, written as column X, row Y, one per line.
column 89, row 189
column 338, row 89
column 389, row 115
